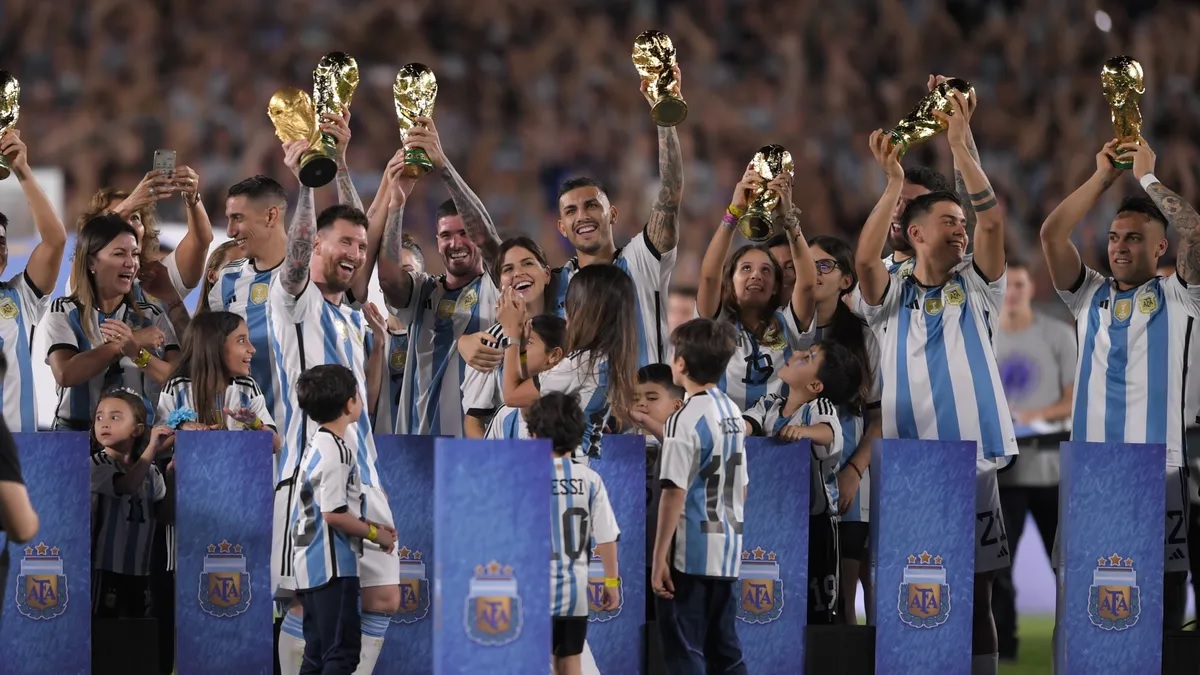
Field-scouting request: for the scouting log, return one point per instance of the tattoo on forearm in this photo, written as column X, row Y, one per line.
column 346, row 192
column 984, row 200
column 970, row 210
column 663, row 226
column 299, row 249
column 393, row 243
column 476, row 219
column 1184, row 218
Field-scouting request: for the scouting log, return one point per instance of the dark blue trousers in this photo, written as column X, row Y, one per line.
column 332, row 628
column 698, row 627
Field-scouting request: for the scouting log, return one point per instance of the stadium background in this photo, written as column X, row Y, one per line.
column 532, row 93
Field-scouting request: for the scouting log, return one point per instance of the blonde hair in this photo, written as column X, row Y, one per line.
column 95, row 234
column 149, row 217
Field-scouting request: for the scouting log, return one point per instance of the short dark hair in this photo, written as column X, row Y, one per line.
column 660, row 374
column 258, row 187
column 919, row 206
column 341, row 212
column 324, row 391
column 4, row 222
column 705, row 346
column 557, row 417
column 1143, row 205
column 840, row 374
column 778, row 240
column 445, row 210
column 927, row 178
column 578, row 182
column 410, row 244
column 551, row 329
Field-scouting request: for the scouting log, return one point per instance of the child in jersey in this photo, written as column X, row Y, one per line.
column 326, row 525
column 696, row 551
column 126, row 488
column 581, row 513
column 543, row 351
column 823, row 381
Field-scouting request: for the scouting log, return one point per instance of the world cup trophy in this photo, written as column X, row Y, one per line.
column 758, row 222
column 414, row 94
column 1123, row 88
column 921, row 125
column 654, row 58
column 10, row 110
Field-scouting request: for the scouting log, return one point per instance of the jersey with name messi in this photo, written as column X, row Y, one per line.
column 767, row 418
column 436, row 316
column 938, row 364
column 651, row 273
column 1134, row 356
column 582, row 513
column 22, row 305
column 243, row 289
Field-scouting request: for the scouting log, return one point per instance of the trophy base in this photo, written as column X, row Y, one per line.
column 669, row 111
column 318, row 172
column 5, row 171
column 756, row 226
column 416, row 163
column 1122, row 163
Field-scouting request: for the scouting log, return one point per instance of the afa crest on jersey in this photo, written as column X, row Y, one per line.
column 1114, row 600
column 595, row 593
column 224, row 581
column 9, row 309
column 760, row 590
column 258, row 293
column 924, row 594
column 493, row 616
column 41, row 585
column 414, row 587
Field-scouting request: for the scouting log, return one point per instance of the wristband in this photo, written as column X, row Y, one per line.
column 611, row 582
column 143, row 359
column 255, row 425
column 1148, row 180
column 729, row 220
column 372, row 532
column 736, row 210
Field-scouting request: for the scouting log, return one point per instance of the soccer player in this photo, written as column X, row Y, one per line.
column 940, row 380
column 1134, row 331
column 326, row 524
column 394, row 357
column 582, row 514
column 438, row 310
column 312, row 323
column 25, row 297
column 696, row 562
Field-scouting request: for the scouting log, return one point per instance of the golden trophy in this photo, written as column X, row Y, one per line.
column 10, row 110
column 1123, row 88
column 334, row 80
column 758, row 222
column 414, row 94
column 654, row 58
column 920, row 125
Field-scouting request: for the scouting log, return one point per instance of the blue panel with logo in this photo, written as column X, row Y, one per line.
column 923, row 554
column 492, row 573
column 47, row 596
column 405, row 465
column 1111, row 535
column 223, row 510
column 615, row 637
column 772, row 588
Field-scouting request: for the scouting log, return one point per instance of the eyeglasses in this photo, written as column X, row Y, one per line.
column 827, row 265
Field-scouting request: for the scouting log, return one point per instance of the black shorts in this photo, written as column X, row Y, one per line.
column 852, row 540
column 568, row 634
column 824, row 570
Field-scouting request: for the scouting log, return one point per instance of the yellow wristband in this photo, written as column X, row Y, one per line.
column 255, row 425
column 611, row 582
column 143, row 359
column 737, row 211
column 372, row 531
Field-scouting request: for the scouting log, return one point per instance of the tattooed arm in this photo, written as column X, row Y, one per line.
column 397, row 284
column 1062, row 258
column 1181, row 216
column 989, row 225
column 663, row 227
column 338, row 126
column 960, row 184
column 294, row 276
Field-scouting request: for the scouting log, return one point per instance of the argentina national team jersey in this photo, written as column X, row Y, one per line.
column 937, row 362
column 383, row 419
column 651, row 273
column 431, row 396
column 581, row 513
column 753, row 371
column 508, row 422
column 576, row 374
column 306, row 331
column 242, row 392
column 22, row 305
column 483, row 393
column 122, row 524
column 243, row 290
column 329, row 482
column 1134, row 358
column 767, row 418
column 703, row 453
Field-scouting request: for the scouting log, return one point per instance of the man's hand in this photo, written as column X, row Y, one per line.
column 291, row 155
column 645, row 86
column 399, row 186
column 887, row 155
column 958, row 122
column 13, row 149
column 1104, row 162
column 338, row 126
column 782, row 185
column 479, row 354
column 425, row 136
column 1143, row 157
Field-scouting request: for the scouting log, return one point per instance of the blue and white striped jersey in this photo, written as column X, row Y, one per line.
column 753, row 370
column 242, row 392
column 22, row 305
column 123, row 524
column 383, row 421
column 704, row 454
column 767, row 418
column 483, row 393
column 329, row 482
column 582, row 513
column 573, row 375
column 244, row 290
column 508, row 422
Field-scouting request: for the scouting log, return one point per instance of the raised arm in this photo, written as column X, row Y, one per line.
column 338, row 126
column 712, row 267
column 46, row 258
column 803, row 306
column 868, row 261
column 1062, row 258
column 376, row 224
column 397, row 284
column 192, row 252
column 294, row 276
column 960, row 186
column 663, row 227
column 1181, row 216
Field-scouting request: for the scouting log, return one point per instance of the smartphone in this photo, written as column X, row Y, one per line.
column 164, row 160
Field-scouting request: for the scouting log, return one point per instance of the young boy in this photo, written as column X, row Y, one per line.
column 326, row 524
column 581, row 512
column 544, row 348
column 821, row 382
column 697, row 551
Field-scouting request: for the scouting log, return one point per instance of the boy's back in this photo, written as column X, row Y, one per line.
column 582, row 512
column 329, row 481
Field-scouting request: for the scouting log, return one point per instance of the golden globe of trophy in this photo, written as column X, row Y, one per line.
column 758, row 222
column 1123, row 88
column 10, row 110
column 414, row 94
column 921, row 125
column 654, row 58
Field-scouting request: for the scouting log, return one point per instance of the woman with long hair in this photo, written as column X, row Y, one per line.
column 101, row 337
column 602, row 350
column 746, row 290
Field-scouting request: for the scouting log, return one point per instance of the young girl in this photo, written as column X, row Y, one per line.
column 217, row 260
column 544, row 342
column 601, row 362
column 748, row 294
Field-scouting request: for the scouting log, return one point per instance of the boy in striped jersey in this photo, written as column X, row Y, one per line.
column 582, row 513
column 696, row 550
column 327, row 524
column 1135, row 330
